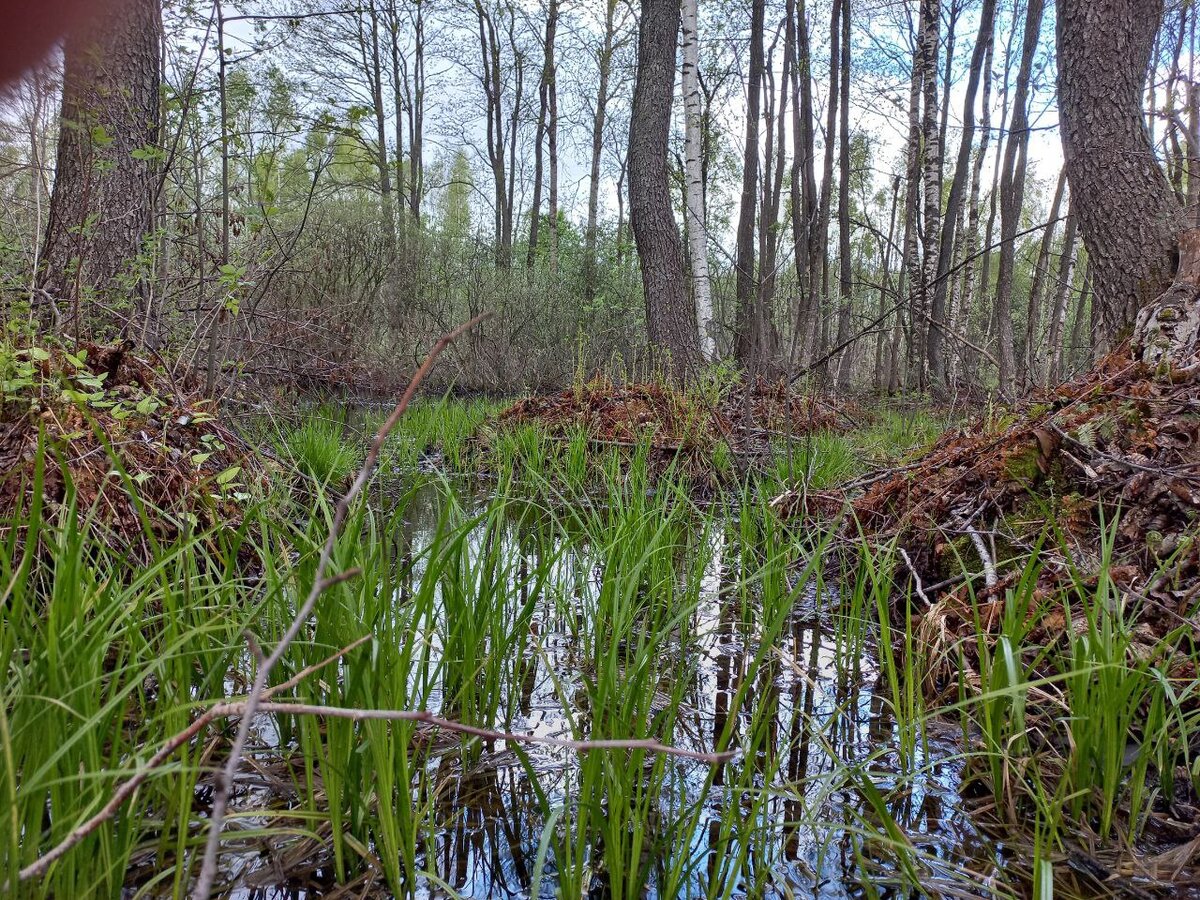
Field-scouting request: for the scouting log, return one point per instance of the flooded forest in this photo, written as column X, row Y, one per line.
column 599, row 449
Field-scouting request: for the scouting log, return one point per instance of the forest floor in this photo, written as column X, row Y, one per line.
column 1031, row 578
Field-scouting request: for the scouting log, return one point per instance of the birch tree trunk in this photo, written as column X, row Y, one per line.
column 697, row 229
column 932, row 168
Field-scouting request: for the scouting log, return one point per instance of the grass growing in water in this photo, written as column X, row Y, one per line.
column 625, row 611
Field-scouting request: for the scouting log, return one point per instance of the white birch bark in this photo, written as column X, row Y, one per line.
column 696, row 229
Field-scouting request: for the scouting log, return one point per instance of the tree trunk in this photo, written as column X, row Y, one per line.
column 1058, row 317
column 963, row 312
column 1012, row 198
column 910, row 275
column 604, row 60
column 106, row 174
column 932, row 167
column 1031, row 358
column 819, row 256
column 803, row 185
column 374, row 69
column 539, row 142
column 697, row 229
column 844, row 271
column 962, row 172
column 752, row 342
column 489, row 54
column 670, row 323
column 1128, row 214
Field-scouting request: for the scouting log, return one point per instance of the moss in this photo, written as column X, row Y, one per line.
column 1022, row 465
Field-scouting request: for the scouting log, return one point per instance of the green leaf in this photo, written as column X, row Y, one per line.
column 228, row 475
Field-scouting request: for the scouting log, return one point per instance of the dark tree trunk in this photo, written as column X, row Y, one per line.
column 753, row 343
column 819, row 255
column 1128, row 214
column 670, row 322
column 844, row 270
column 1012, row 199
column 545, row 125
column 604, row 64
column 803, row 187
column 106, row 174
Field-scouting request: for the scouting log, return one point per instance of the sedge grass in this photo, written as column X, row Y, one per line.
column 463, row 613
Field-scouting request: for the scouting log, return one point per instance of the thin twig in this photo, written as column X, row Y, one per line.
column 916, row 578
column 208, row 868
column 285, row 707
column 39, row 866
column 308, row 670
column 281, row 707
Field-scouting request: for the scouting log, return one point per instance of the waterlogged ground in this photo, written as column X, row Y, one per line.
column 796, row 814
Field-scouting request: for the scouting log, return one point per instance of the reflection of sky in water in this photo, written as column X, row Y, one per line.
column 827, row 714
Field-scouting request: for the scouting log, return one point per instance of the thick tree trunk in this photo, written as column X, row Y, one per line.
column 697, row 229
column 1128, row 214
column 670, row 323
column 106, row 174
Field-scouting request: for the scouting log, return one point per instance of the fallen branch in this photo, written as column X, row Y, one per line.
column 285, row 707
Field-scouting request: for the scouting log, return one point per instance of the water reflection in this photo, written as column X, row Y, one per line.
column 806, row 715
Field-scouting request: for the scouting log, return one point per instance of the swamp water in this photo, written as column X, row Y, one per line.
column 705, row 629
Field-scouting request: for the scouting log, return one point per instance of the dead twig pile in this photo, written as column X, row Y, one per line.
column 672, row 418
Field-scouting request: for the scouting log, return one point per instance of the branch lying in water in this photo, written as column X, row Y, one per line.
column 284, row 707
column 428, row 718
